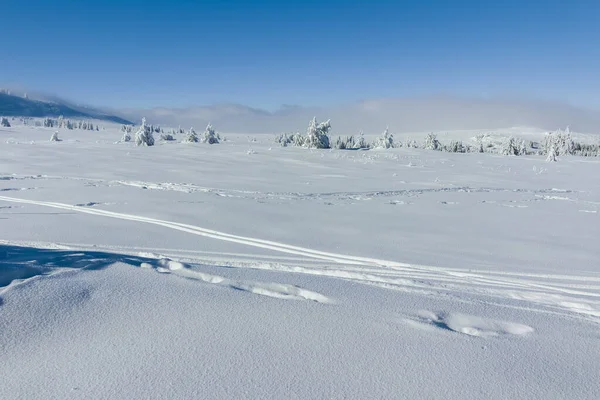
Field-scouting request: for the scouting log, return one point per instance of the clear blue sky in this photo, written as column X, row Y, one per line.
column 266, row 53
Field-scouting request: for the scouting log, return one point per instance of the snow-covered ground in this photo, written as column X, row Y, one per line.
column 248, row 270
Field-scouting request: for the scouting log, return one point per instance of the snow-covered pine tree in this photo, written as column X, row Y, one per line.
column 347, row 143
column 552, row 153
column 562, row 142
column 144, row 136
column 510, row 147
column 431, row 142
column 523, row 148
column 191, row 136
column 455, row 146
column 210, row 136
column 4, row 122
column 385, row 141
column 361, row 143
column 54, row 137
column 317, row 134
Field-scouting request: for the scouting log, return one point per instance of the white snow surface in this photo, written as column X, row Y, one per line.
column 246, row 270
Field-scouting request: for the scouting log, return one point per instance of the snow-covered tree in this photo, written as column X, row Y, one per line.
column 561, row 141
column 523, row 148
column 54, row 137
column 317, row 134
column 510, row 147
column 552, row 153
column 210, row 136
column 361, row 143
column 191, row 136
column 294, row 139
column 347, row 143
column 385, row 141
column 144, row 136
column 455, row 146
column 126, row 137
column 4, row 122
column 431, row 142
column 167, row 137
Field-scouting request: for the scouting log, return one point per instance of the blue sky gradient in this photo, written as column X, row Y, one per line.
column 268, row 53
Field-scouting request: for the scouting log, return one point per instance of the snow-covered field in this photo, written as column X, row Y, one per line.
column 248, row 270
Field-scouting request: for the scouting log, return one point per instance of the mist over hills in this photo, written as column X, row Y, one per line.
column 415, row 114
column 372, row 116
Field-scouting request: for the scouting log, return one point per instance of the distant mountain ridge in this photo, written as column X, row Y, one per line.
column 15, row 106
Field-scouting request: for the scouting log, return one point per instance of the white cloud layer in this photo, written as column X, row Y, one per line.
column 372, row 116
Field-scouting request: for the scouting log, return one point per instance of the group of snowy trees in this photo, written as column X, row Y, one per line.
column 317, row 136
column 555, row 143
column 209, row 136
column 145, row 135
column 63, row 123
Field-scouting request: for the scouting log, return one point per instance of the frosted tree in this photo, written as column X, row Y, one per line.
column 191, row 136
column 385, row 141
column 144, row 136
column 510, row 147
column 54, row 137
column 431, row 142
column 4, row 122
column 317, row 134
column 126, row 137
column 361, row 143
column 552, row 153
column 561, row 141
column 345, row 143
column 523, row 148
column 455, row 146
column 210, row 136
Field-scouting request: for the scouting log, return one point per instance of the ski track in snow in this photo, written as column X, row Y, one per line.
column 566, row 295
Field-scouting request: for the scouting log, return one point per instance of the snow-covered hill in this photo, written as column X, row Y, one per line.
column 11, row 105
column 249, row 270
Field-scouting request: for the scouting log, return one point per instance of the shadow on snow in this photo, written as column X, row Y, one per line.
column 19, row 262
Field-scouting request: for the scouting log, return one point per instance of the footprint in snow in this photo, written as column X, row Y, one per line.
column 269, row 289
column 469, row 324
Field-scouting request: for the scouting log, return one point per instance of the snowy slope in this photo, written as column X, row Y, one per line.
column 247, row 270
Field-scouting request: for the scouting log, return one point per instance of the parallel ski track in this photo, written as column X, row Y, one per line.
column 574, row 296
